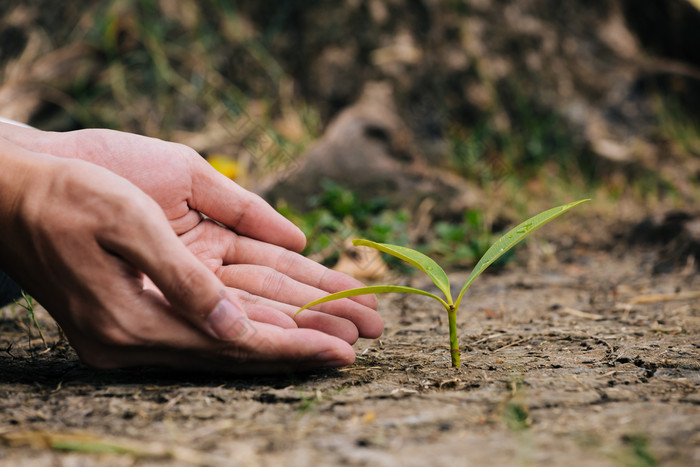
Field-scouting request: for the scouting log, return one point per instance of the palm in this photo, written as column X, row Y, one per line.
column 273, row 283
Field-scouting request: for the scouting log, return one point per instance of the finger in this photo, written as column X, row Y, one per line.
column 289, row 349
column 326, row 323
column 269, row 283
column 209, row 240
column 246, row 213
column 266, row 314
column 261, row 309
column 167, row 339
column 256, row 308
column 287, row 356
column 249, row 251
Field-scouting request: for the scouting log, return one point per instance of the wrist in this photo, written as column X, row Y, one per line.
column 21, row 168
column 12, row 180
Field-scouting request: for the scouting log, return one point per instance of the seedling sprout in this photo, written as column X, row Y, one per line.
column 438, row 275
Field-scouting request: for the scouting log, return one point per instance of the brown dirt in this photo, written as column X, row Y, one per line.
column 563, row 364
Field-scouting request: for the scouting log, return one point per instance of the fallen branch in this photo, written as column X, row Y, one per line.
column 582, row 314
column 664, row 297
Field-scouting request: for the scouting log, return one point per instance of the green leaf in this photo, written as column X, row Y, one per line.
column 90, row 446
column 419, row 260
column 370, row 290
column 510, row 239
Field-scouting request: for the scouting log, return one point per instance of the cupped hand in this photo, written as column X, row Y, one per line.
column 81, row 240
column 255, row 255
column 272, row 283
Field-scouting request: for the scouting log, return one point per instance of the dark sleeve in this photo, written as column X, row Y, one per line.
column 9, row 290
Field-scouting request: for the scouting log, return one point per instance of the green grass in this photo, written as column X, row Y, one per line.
column 27, row 303
column 204, row 70
column 677, row 126
column 516, row 416
column 337, row 215
column 516, row 138
column 460, row 244
column 638, row 453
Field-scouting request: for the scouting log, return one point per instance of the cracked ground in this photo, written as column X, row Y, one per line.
column 591, row 360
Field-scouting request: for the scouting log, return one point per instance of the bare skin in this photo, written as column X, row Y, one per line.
column 100, row 250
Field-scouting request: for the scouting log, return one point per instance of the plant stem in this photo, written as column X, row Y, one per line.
column 454, row 345
column 29, row 307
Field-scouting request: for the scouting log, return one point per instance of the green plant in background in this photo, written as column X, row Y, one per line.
column 28, row 306
column 449, row 241
column 195, row 72
column 438, row 275
column 639, row 452
column 530, row 138
column 338, row 214
column 677, row 125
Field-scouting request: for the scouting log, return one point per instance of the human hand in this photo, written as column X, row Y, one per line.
column 81, row 239
column 270, row 281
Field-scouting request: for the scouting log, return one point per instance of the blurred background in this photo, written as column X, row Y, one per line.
column 435, row 123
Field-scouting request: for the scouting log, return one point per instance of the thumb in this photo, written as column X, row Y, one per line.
column 237, row 208
column 198, row 295
column 190, row 287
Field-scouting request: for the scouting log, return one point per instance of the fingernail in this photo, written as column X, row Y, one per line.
column 227, row 321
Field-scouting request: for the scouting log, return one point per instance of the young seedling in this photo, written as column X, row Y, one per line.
column 438, row 275
column 28, row 306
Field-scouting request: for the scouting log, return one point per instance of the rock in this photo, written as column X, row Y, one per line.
column 361, row 263
column 368, row 149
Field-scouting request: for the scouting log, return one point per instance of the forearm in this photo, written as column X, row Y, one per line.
column 33, row 139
